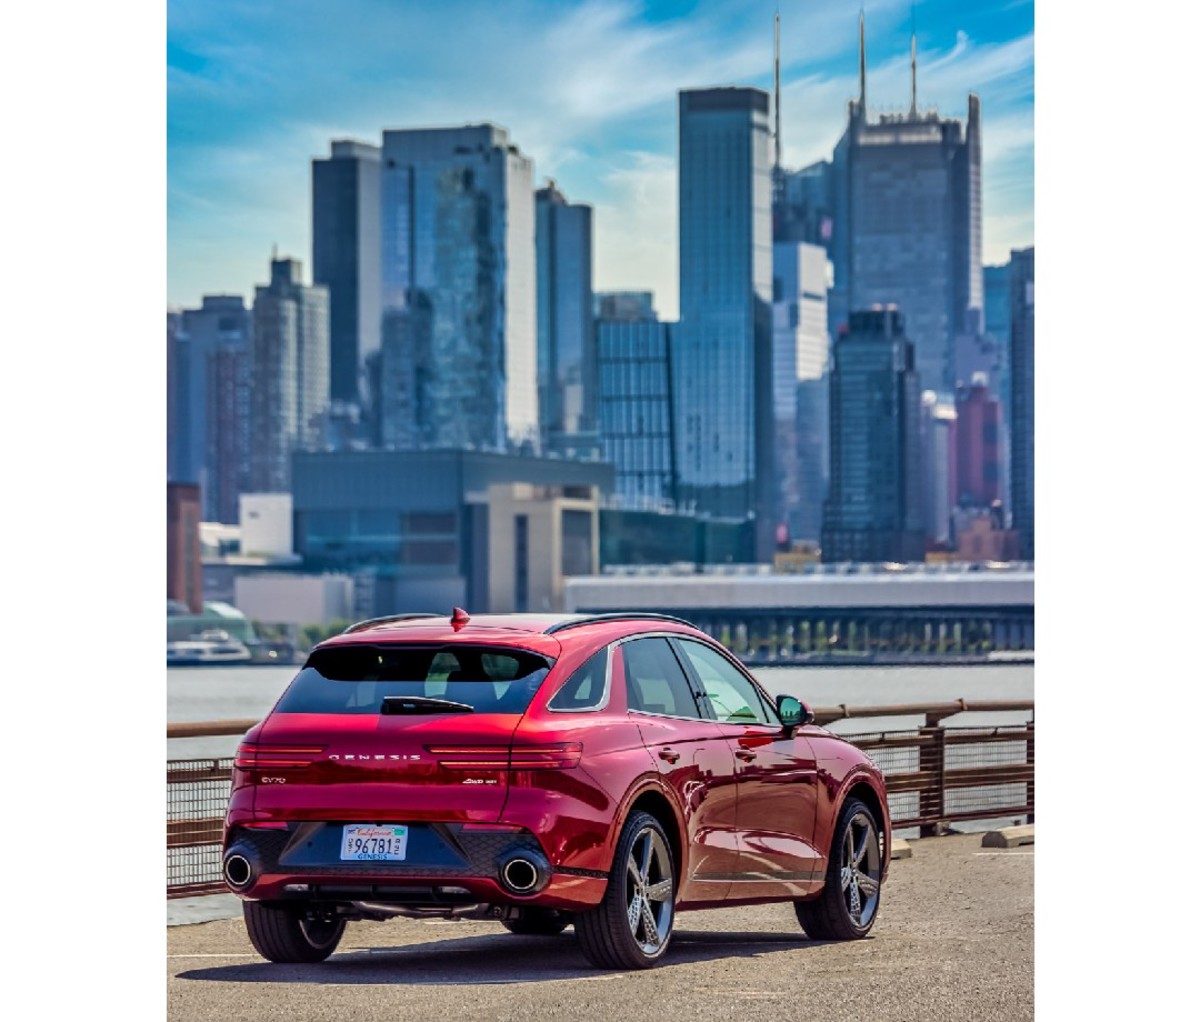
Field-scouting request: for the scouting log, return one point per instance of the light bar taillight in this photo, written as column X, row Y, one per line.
column 251, row 756
column 556, row 756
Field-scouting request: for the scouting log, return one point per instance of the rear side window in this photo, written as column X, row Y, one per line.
column 654, row 681
column 585, row 688
column 356, row 679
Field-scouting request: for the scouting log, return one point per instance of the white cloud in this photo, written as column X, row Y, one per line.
column 588, row 91
column 636, row 230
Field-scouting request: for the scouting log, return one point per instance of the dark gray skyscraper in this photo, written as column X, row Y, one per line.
column 907, row 224
column 345, row 254
column 566, row 351
column 874, row 508
column 289, row 374
column 1021, row 360
column 458, row 366
column 722, row 351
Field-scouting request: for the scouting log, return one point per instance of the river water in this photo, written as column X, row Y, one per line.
column 244, row 693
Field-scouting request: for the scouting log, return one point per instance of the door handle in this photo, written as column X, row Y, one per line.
column 746, row 755
column 670, row 755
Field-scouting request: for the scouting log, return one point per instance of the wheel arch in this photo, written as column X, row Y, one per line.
column 868, row 790
column 651, row 798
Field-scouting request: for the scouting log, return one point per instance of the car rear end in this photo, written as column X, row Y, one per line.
column 379, row 780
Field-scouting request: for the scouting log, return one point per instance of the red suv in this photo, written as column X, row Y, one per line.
column 606, row 771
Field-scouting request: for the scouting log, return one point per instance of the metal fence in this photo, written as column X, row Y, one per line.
column 935, row 776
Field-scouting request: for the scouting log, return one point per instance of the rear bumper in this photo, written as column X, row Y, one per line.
column 445, row 865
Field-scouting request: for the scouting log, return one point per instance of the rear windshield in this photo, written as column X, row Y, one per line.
column 357, row 679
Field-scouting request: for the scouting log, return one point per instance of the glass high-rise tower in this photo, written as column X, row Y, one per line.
column 566, row 347
column 458, row 366
column 874, row 508
column 721, row 353
column 907, row 224
column 1021, row 358
column 345, row 259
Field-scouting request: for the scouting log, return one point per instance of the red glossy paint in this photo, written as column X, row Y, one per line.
column 750, row 809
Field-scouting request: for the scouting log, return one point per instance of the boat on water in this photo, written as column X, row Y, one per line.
column 213, row 646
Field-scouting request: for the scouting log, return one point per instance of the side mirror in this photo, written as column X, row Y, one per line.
column 792, row 712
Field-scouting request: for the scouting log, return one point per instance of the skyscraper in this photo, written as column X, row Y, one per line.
column 289, row 374
column 722, row 352
column 1021, row 360
column 977, row 446
column 566, row 349
column 634, row 399
column 997, row 326
column 907, row 223
column 206, row 443
column 939, row 484
column 800, row 340
column 874, row 508
column 458, row 365
column 345, row 259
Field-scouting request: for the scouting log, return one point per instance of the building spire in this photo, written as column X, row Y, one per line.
column 778, row 136
column 913, row 109
column 862, row 63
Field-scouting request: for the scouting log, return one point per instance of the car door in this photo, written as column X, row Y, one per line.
column 776, row 779
column 693, row 757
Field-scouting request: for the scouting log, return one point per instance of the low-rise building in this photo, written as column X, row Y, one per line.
column 294, row 599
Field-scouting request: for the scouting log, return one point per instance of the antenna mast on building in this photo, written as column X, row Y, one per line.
column 913, row 110
column 778, row 142
column 862, row 64
column 777, row 170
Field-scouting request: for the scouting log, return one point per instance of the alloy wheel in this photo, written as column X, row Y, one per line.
column 649, row 890
column 861, row 868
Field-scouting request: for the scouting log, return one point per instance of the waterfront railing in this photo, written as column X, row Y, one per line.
column 936, row 776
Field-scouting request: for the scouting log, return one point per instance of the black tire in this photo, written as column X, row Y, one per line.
column 606, row 937
column 538, row 922
column 831, row 916
column 286, row 933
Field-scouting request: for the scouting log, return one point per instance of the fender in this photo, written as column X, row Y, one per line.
column 642, row 784
column 863, row 774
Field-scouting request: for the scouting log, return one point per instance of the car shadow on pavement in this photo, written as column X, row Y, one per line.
column 499, row 959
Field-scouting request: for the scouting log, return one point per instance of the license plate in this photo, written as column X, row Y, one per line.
column 362, row 842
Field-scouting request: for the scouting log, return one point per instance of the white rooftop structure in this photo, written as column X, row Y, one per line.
column 901, row 588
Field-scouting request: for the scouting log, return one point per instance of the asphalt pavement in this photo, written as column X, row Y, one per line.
column 953, row 941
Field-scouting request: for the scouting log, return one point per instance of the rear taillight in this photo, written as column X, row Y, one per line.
column 557, row 756
column 251, row 756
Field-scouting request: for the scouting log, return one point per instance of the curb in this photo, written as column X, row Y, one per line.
column 1009, row 837
column 901, row 849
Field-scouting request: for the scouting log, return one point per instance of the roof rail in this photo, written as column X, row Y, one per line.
column 371, row 622
column 627, row 615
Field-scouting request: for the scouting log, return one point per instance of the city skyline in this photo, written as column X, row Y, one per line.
column 246, row 117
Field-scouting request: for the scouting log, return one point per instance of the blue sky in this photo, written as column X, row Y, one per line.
column 587, row 89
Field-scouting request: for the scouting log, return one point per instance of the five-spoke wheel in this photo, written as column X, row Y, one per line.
column 847, row 905
column 631, row 927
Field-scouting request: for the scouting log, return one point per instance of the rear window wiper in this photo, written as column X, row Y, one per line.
column 423, row 704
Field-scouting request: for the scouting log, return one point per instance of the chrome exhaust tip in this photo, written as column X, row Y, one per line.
column 524, row 872
column 520, row 875
column 238, row 871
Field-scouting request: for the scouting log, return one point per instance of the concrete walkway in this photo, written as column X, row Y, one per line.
column 954, row 941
